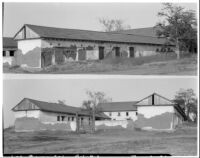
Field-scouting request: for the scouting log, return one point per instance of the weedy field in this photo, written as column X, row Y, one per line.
column 181, row 142
column 162, row 64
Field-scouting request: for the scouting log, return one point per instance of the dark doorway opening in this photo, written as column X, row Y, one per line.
column 4, row 53
column 12, row 53
column 117, row 51
column 132, row 52
column 101, row 53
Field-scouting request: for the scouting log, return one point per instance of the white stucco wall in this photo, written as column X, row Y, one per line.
column 31, row 113
column 28, row 45
column 151, row 111
column 8, row 60
column 114, row 115
column 52, row 117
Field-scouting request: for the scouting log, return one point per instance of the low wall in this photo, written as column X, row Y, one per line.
column 32, row 124
column 114, row 124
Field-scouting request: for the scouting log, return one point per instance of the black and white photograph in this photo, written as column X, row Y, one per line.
column 100, row 38
column 96, row 79
column 100, row 116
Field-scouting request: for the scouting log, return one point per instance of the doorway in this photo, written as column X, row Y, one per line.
column 117, row 51
column 101, row 53
column 132, row 52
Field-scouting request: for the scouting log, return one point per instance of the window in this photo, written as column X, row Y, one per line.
column 127, row 114
column 72, row 118
column 4, row 53
column 136, row 113
column 62, row 118
column 58, row 118
column 12, row 53
column 68, row 119
column 118, row 113
column 110, row 114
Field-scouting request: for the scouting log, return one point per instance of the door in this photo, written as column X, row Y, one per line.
column 117, row 51
column 59, row 56
column 46, row 57
column 101, row 53
column 132, row 52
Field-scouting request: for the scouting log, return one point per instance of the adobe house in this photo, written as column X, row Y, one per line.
column 154, row 112
column 9, row 49
column 34, row 115
column 41, row 46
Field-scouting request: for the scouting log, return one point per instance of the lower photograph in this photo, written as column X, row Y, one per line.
column 112, row 116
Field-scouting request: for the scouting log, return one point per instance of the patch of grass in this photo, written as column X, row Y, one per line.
column 183, row 141
column 159, row 64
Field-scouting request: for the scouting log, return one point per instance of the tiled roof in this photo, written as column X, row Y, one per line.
column 74, row 34
column 148, row 31
column 9, row 42
column 117, row 106
column 61, row 108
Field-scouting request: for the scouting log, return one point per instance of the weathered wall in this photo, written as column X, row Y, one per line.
column 114, row 115
column 110, row 124
column 32, row 58
column 145, row 50
column 163, row 121
column 155, row 117
column 140, row 50
column 34, row 124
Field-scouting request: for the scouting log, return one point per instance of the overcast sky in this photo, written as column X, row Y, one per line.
column 80, row 16
column 73, row 90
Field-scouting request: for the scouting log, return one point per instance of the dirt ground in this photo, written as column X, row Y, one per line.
column 181, row 142
column 152, row 65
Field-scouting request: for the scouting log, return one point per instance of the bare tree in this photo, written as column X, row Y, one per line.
column 94, row 98
column 113, row 24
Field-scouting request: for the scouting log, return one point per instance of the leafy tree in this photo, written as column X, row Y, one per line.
column 94, row 98
column 186, row 98
column 113, row 24
column 177, row 26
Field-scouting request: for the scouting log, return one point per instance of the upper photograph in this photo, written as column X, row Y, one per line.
column 100, row 38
